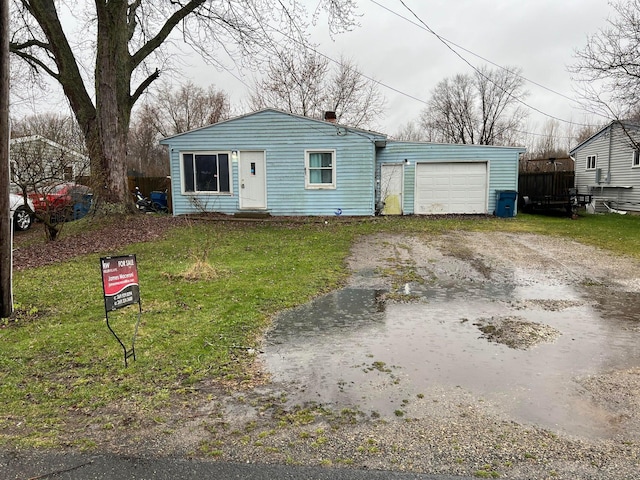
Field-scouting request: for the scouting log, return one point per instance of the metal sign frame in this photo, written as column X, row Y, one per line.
column 121, row 289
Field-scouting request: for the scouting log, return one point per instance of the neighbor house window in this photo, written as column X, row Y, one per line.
column 320, row 168
column 206, row 172
column 591, row 162
column 636, row 158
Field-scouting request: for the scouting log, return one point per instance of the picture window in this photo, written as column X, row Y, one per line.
column 206, row 172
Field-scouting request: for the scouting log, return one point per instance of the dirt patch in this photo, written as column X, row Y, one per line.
column 30, row 249
column 515, row 332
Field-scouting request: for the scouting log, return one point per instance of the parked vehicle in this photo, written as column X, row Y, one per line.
column 61, row 200
column 157, row 203
column 21, row 212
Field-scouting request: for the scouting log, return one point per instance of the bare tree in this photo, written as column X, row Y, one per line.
column 170, row 112
column 293, row 83
column 304, row 83
column 550, row 142
column 607, row 69
column 356, row 100
column 481, row 109
column 126, row 43
column 146, row 155
column 584, row 132
column 186, row 108
column 62, row 129
column 410, row 132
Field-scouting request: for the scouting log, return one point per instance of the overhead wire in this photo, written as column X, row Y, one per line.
column 449, row 44
column 447, row 41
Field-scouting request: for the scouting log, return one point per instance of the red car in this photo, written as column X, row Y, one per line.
column 60, row 199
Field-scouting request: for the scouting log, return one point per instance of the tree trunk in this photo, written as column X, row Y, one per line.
column 113, row 101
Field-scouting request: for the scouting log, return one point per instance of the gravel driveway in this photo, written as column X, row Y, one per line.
column 440, row 427
column 443, row 428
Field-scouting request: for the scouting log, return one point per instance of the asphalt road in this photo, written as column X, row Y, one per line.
column 76, row 466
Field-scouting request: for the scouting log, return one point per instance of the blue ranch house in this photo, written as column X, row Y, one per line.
column 283, row 164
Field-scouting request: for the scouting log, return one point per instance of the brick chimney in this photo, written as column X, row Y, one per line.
column 330, row 117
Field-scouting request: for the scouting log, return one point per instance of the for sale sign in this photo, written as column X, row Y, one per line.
column 120, row 281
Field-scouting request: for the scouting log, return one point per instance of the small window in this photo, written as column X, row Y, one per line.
column 591, row 162
column 206, row 172
column 636, row 158
column 320, row 169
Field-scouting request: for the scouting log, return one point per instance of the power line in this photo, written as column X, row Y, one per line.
column 447, row 41
column 400, row 92
column 448, row 44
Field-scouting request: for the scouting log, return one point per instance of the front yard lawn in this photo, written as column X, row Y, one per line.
column 209, row 291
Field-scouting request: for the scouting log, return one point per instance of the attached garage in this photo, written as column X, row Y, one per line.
column 451, row 187
column 439, row 178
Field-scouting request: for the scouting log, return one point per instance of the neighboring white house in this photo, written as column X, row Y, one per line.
column 607, row 166
column 36, row 160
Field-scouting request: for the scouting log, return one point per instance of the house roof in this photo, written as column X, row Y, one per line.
column 273, row 110
column 51, row 143
column 600, row 132
column 461, row 145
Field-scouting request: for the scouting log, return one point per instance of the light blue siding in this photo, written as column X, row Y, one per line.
column 502, row 165
column 284, row 139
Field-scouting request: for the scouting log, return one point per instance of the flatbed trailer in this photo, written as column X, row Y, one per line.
column 568, row 203
column 550, row 192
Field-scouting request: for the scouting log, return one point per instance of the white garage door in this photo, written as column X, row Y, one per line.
column 451, row 188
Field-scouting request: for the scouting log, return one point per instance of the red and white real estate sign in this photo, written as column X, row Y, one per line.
column 120, row 281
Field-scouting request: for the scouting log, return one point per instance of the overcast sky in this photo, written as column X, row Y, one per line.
column 391, row 46
column 539, row 36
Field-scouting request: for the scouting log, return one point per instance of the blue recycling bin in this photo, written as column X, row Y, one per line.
column 159, row 198
column 506, row 203
column 81, row 206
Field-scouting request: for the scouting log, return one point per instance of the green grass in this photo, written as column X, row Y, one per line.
column 208, row 293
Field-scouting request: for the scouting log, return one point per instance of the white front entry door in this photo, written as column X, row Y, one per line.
column 252, row 180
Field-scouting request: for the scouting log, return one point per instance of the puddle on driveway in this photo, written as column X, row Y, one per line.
column 351, row 349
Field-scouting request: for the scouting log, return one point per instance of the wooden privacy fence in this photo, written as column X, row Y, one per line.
column 542, row 184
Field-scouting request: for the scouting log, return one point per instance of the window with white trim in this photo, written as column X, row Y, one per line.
column 591, row 162
column 636, row 158
column 320, row 166
column 207, row 172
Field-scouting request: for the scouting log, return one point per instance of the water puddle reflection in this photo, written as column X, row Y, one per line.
column 350, row 348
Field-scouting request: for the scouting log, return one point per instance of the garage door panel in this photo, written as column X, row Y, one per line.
column 451, row 188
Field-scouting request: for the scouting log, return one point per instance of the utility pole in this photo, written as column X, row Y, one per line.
column 6, row 295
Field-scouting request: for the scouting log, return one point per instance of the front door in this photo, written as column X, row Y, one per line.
column 391, row 186
column 253, row 180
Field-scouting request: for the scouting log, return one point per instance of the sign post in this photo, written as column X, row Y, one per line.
column 121, row 289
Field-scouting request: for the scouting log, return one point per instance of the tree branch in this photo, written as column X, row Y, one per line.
column 36, row 63
column 144, row 85
column 149, row 47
